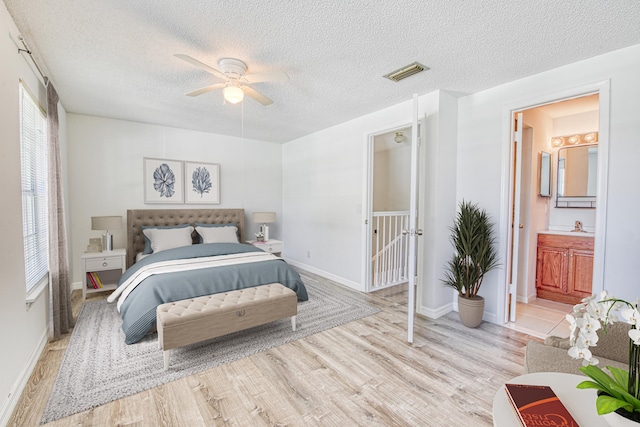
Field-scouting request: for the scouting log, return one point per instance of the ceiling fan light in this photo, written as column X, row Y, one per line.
column 233, row 94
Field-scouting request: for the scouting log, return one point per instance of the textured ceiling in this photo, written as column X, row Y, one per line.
column 114, row 58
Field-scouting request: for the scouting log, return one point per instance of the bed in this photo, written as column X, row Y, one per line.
column 206, row 262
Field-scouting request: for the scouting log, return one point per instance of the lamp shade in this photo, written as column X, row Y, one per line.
column 106, row 222
column 264, row 217
column 233, row 94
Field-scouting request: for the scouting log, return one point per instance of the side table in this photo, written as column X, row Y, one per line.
column 109, row 266
column 272, row 245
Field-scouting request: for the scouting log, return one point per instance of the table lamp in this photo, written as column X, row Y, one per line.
column 106, row 223
column 264, row 218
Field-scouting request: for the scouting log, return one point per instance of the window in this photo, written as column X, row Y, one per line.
column 33, row 148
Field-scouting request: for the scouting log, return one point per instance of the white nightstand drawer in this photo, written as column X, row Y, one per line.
column 106, row 263
column 271, row 247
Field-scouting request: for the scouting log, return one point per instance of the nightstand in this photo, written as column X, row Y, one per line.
column 107, row 265
column 273, row 246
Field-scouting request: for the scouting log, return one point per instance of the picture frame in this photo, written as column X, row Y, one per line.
column 163, row 181
column 202, row 183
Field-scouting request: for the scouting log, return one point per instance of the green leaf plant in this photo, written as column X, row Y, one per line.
column 475, row 255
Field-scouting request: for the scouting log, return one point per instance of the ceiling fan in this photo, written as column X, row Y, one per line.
column 236, row 81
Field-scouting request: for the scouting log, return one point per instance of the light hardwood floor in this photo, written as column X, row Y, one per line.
column 363, row 373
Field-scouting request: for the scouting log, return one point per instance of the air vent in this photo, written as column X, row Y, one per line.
column 406, row 71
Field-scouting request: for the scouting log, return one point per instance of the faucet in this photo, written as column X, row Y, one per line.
column 578, row 226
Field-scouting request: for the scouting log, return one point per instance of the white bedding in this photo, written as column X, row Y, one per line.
column 172, row 266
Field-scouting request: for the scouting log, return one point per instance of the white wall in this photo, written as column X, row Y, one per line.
column 483, row 141
column 24, row 330
column 392, row 170
column 105, row 171
column 323, row 182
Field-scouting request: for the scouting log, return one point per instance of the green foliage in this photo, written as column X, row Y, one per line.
column 613, row 388
column 473, row 239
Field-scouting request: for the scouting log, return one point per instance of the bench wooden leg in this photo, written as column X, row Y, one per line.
column 293, row 323
column 167, row 355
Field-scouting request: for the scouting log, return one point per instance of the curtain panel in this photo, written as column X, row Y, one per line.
column 60, row 289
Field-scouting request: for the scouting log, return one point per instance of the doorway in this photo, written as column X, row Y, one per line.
column 547, row 132
column 390, row 202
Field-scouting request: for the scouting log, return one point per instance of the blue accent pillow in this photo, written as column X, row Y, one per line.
column 147, row 243
column 200, row 224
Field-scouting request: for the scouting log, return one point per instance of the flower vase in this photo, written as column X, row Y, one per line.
column 615, row 419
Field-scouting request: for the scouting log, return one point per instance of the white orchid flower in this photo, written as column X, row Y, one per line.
column 581, row 353
column 631, row 316
column 634, row 334
column 597, row 310
column 588, row 323
column 572, row 328
column 587, row 339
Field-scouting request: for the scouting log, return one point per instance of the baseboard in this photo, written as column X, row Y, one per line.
column 345, row 282
column 434, row 313
column 23, row 378
column 76, row 285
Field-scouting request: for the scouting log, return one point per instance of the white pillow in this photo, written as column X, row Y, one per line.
column 168, row 238
column 227, row 234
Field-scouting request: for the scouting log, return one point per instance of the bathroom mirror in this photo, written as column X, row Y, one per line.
column 545, row 174
column 577, row 171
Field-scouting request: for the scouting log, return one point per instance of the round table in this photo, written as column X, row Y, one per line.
column 581, row 404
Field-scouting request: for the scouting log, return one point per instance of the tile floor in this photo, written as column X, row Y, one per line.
column 542, row 318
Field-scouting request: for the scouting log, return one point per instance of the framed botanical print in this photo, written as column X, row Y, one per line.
column 202, row 183
column 163, row 181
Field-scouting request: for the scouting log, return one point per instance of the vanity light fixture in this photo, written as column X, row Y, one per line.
column 581, row 138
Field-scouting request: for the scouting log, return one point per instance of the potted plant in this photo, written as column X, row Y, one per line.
column 475, row 255
column 619, row 391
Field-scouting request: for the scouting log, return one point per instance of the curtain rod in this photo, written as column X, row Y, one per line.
column 28, row 51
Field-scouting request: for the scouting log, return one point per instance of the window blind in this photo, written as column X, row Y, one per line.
column 33, row 148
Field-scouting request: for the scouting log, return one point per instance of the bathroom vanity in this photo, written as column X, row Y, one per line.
column 564, row 268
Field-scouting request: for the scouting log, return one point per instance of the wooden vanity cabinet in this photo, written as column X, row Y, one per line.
column 564, row 269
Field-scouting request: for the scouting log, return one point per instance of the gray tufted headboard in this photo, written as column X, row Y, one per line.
column 162, row 217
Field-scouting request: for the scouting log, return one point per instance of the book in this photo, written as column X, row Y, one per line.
column 97, row 278
column 538, row 405
column 92, row 281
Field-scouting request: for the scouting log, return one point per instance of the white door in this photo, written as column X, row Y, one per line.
column 515, row 225
column 413, row 231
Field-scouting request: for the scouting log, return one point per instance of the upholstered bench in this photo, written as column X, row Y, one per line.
column 193, row 320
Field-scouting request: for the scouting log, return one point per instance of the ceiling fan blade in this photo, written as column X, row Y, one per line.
column 252, row 93
column 199, row 64
column 271, row 76
column 206, row 89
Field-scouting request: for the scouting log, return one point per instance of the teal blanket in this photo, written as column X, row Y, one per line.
column 138, row 311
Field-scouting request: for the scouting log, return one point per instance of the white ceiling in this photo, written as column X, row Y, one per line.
column 114, row 58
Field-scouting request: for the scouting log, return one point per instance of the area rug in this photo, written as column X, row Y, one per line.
column 98, row 367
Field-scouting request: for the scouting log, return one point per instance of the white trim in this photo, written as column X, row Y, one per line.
column 432, row 313
column 36, row 291
column 21, row 381
column 340, row 280
column 367, row 197
column 602, row 88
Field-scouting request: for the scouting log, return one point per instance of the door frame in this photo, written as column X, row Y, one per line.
column 367, row 202
column 602, row 88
